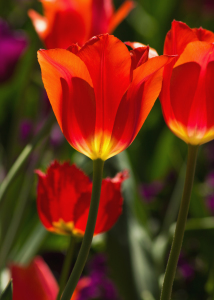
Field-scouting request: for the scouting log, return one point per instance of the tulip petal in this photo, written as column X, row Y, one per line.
column 191, row 94
column 108, row 61
column 198, row 52
column 71, row 82
column 110, row 206
column 40, row 23
column 120, row 15
column 58, row 193
column 102, row 11
column 135, row 45
column 210, row 94
column 34, row 282
column 165, row 93
column 68, row 22
column 139, row 56
column 62, row 34
column 138, row 101
column 182, row 90
column 178, row 38
column 204, row 35
column 111, row 202
column 43, row 206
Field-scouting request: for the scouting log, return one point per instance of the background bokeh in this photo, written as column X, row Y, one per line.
column 135, row 251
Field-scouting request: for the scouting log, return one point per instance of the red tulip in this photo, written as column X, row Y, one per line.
column 34, row 282
column 187, row 96
column 74, row 21
column 64, row 195
column 100, row 98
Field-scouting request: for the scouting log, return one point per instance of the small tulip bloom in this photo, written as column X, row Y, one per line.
column 33, row 282
column 101, row 93
column 187, row 96
column 64, row 195
column 75, row 21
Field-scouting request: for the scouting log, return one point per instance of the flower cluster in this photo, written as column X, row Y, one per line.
column 101, row 91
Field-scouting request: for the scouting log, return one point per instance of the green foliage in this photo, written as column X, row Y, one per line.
column 7, row 294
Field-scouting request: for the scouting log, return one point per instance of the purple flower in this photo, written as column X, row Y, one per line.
column 56, row 136
column 151, row 190
column 97, row 285
column 185, row 268
column 210, row 179
column 210, row 203
column 209, row 5
column 26, row 128
column 12, row 46
column 209, row 185
column 98, row 265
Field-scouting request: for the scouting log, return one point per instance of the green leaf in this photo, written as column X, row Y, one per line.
column 32, row 245
column 162, row 159
column 7, row 294
column 197, row 205
column 129, row 245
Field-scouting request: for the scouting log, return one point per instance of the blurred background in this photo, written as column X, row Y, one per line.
column 134, row 252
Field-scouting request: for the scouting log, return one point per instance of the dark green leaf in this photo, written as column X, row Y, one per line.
column 7, row 294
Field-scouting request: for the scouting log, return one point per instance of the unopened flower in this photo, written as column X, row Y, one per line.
column 188, row 91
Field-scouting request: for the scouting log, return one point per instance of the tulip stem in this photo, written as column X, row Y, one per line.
column 66, row 265
column 88, row 236
column 180, row 226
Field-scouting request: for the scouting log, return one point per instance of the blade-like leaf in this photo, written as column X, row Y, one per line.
column 7, row 294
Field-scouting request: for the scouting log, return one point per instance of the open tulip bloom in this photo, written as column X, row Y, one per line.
column 75, row 21
column 187, row 100
column 101, row 95
column 63, row 200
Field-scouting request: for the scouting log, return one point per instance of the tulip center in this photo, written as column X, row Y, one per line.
column 66, row 228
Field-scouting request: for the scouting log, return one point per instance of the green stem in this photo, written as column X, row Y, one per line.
column 88, row 236
column 66, row 266
column 24, row 155
column 180, row 227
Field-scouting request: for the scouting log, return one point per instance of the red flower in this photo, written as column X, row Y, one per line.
column 64, row 195
column 187, row 96
column 34, row 282
column 74, row 21
column 99, row 99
